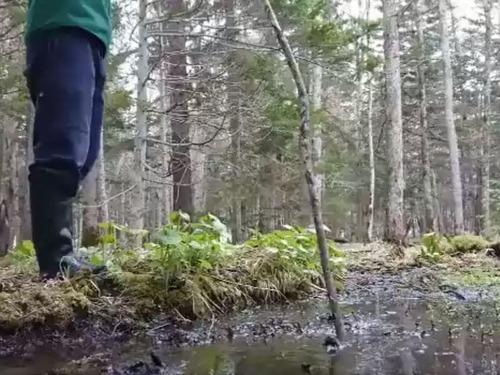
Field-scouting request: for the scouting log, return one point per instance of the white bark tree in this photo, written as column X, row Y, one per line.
column 449, row 119
column 139, row 203
column 485, row 145
column 395, row 229
column 430, row 219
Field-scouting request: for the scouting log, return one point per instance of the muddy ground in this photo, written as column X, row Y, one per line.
column 402, row 316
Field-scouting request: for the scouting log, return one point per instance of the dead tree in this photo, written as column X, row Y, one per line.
column 311, row 179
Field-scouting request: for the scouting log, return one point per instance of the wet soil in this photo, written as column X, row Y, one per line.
column 399, row 320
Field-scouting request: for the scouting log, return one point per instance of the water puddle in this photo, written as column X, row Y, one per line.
column 409, row 335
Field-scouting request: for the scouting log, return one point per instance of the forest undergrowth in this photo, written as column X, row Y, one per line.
column 189, row 269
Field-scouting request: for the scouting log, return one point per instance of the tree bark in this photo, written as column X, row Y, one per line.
column 165, row 207
column 181, row 158
column 102, row 193
column 395, row 228
column 306, row 148
column 358, row 131
column 485, row 145
column 90, row 210
column 13, row 211
column 139, row 202
column 450, row 122
column 28, row 156
column 371, row 149
column 430, row 219
column 234, row 102
column 317, row 141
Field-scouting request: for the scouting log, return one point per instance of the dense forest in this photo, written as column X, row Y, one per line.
column 202, row 116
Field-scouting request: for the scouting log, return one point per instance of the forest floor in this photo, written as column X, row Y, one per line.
column 33, row 315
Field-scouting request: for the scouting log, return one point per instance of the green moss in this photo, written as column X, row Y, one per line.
column 435, row 245
column 474, row 278
column 469, row 243
column 27, row 304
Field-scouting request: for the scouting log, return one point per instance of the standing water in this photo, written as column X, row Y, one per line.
column 384, row 336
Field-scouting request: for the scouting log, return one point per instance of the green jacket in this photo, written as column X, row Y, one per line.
column 91, row 15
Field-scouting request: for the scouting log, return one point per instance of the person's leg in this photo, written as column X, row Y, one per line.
column 97, row 112
column 61, row 79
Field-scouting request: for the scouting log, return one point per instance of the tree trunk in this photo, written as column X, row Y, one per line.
column 139, row 202
column 165, row 206
column 430, row 219
column 13, row 213
column 358, row 131
column 28, row 157
column 485, row 144
column 371, row 149
column 90, row 210
column 395, row 229
column 437, row 206
column 181, row 158
column 306, row 148
column 166, row 191
column 450, row 122
column 102, row 194
column 234, row 103
column 317, row 141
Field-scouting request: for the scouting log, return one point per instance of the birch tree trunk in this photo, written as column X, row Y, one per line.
column 139, row 203
column 430, row 219
column 485, row 145
column 305, row 145
column 395, row 229
column 450, row 122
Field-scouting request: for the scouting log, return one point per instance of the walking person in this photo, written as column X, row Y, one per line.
column 67, row 42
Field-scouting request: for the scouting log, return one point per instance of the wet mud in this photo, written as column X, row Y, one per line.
column 405, row 321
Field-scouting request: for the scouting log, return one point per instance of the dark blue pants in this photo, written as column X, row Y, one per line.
column 66, row 74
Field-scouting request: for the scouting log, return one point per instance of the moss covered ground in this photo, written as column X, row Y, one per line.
column 186, row 269
column 190, row 270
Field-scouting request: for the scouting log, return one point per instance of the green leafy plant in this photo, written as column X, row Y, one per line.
column 191, row 266
column 434, row 246
column 23, row 253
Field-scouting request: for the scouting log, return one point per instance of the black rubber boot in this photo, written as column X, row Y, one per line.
column 52, row 193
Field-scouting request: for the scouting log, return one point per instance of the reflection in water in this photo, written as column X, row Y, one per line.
column 407, row 338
